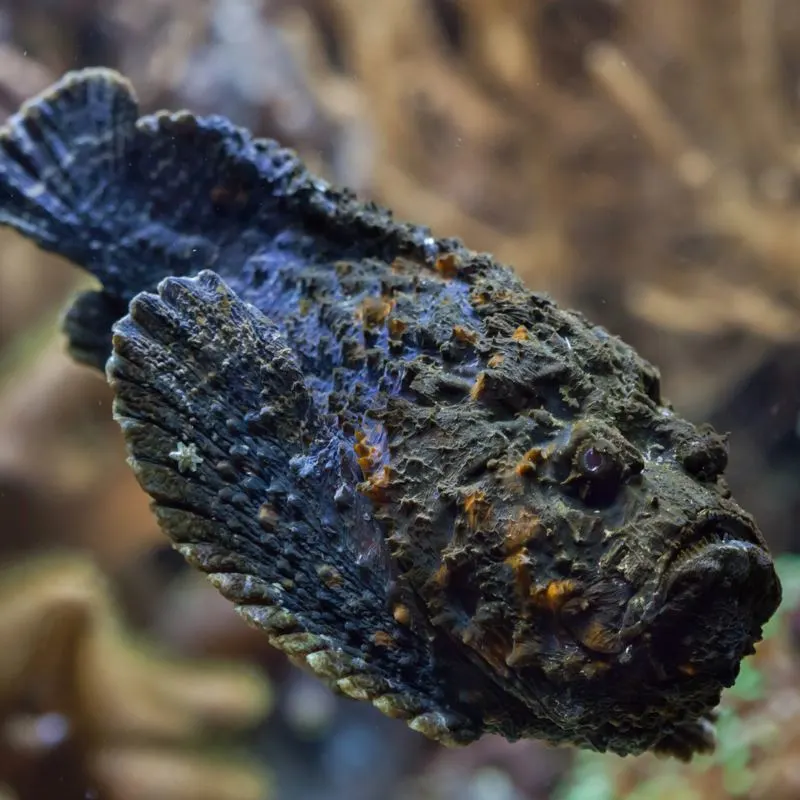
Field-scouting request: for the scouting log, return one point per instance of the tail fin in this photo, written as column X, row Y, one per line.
column 131, row 200
column 61, row 151
column 134, row 200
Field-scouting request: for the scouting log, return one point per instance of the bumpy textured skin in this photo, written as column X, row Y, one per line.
column 434, row 488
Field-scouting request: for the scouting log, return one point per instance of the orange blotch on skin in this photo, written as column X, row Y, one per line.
column 520, row 334
column 383, row 639
column 447, row 265
column 496, row 360
column 362, row 450
column 401, row 614
column 529, row 462
column 442, row 576
column 396, row 328
column 535, row 455
column 519, row 563
column 376, row 485
column 554, row 595
column 598, row 638
column 464, row 335
column 477, row 508
column 373, row 311
column 521, row 531
column 368, row 455
column 365, row 464
column 479, row 387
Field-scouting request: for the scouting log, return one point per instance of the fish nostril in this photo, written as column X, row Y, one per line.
column 704, row 456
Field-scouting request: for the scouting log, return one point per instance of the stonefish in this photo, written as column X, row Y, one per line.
column 434, row 488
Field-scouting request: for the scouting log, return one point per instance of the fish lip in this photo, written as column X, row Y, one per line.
column 724, row 543
column 709, row 529
column 713, row 537
column 708, row 612
column 711, row 557
column 716, row 601
column 719, row 558
column 692, row 555
column 735, row 568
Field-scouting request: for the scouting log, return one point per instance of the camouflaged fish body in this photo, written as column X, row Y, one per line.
column 434, row 488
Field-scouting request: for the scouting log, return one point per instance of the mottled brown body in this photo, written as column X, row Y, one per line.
column 438, row 490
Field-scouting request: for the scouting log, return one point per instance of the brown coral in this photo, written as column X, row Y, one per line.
column 85, row 708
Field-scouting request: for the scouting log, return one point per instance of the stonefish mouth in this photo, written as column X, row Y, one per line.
column 718, row 596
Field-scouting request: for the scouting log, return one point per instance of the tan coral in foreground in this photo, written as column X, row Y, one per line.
column 83, row 707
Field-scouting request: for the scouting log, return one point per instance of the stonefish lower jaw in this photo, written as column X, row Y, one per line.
column 437, row 490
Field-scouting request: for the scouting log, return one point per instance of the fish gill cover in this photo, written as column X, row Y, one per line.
column 436, row 489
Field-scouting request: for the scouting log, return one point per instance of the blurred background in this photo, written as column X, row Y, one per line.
column 637, row 159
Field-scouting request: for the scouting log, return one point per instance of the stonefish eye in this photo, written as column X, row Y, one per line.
column 599, row 472
column 594, row 460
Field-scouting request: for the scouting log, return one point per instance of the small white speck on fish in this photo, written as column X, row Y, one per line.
column 187, row 457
